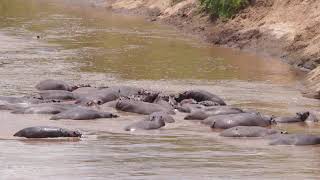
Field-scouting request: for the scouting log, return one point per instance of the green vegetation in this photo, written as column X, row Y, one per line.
column 223, row 8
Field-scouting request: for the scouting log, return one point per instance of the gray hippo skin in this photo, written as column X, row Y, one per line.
column 44, row 109
column 108, row 94
column 200, row 95
column 188, row 108
column 57, row 95
column 161, row 115
column 46, row 132
column 51, row 84
column 148, row 124
column 19, row 100
column 140, row 107
column 11, row 103
column 300, row 117
column 295, row 139
column 201, row 115
column 231, row 120
column 249, row 131
column 80, row 113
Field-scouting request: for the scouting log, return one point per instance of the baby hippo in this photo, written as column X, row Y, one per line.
column 151, row 122
column 80, row 113
column 299, row 117
column 46, row 132
column 249, row 131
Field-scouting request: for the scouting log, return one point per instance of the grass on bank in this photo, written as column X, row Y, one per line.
column 223, row 8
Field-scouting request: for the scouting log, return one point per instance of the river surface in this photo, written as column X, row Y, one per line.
column 84, row 44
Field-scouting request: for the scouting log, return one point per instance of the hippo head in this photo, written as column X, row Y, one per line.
column 72, row 134
column 158, row 119
column 303, row 115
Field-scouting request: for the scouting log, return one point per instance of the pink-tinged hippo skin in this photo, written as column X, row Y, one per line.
column 46, row 132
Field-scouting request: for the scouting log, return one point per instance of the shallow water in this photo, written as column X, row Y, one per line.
column 89, row 45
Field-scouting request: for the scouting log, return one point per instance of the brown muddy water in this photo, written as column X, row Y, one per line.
column 80, row 43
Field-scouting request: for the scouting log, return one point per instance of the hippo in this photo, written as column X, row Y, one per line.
column 300, row 117
column 249, row 131
column 51, row 84
column 201, row 114
column 295, row 139
column 312, row 118
column 43, row 109
column 57, row 94
column 19, row 100
column 161, row 115
column 83, row 91
column 147, row 124
column 80, row 113
column 188, row 101
column 108, row 94
column 209, row 103
column 200, row 95
column 140, row 107
column 164, row 104
column 188, row 108
column 146, row 96
column 226, row 121
column 46, row 132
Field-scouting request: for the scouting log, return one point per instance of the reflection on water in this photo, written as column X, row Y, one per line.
column 82, row 44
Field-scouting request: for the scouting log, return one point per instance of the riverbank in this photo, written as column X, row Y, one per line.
column 286, row 29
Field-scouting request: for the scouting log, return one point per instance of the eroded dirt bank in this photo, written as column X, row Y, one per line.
column 286, row 29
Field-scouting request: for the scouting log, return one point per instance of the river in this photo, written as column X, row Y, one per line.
column 83, row 44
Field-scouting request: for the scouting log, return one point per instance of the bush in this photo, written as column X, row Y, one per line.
column 223, row 8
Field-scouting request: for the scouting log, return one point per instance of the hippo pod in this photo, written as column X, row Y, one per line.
column 295, row 139
column 146, row 124
column 43, row 109
column 140, row 107
column 51, row 84
column 108, row 94
column 199, row 96
column 220, row 110
column 46, row 132
column 80, row 113
column 249, row 131
column 240, row 119
column 300, row 117
column 57, row 95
